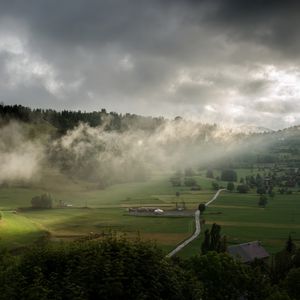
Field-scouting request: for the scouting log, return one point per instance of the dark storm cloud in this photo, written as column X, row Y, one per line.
column 256, row 86
column 156, row 25
column 164, row 57
column 274, row 23
column 80, row 22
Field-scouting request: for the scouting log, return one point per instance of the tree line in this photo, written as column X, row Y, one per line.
column 66, row 119
column 115, row 268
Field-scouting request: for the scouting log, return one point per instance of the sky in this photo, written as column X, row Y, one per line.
column 229, row 62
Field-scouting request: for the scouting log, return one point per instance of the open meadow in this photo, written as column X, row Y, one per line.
column 94, row 211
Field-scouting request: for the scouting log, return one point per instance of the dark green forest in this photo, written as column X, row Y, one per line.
column 65, row 120
column 115, row 268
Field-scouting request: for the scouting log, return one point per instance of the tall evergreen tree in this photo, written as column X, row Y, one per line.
column 290, row 246
column 205, row 247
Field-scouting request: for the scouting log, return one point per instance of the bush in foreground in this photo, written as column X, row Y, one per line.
column 110, row 269
column 118, row 269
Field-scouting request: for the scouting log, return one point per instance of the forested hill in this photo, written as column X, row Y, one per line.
column 66, row 119
column 107, row 147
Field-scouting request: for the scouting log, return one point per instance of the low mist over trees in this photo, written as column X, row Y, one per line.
column 107, row 148
column 101, row 147
column 229, row 175
column 209, row 173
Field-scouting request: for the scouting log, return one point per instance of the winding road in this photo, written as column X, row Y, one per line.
column 198, row 227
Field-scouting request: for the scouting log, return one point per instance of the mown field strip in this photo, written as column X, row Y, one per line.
column 232, row 206
column 255, row 224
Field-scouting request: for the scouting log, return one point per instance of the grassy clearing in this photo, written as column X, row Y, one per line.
column 243, row 221
column 17, row 230
column 241, row 218
column 106, row 208
column 157, row 190
column 80, row 222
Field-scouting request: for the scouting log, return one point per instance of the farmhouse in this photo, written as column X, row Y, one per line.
column 248, row 252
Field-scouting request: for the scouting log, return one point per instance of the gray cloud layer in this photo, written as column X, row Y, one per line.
column 218, row 61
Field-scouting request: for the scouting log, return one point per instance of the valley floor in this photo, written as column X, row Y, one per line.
column 241, row 218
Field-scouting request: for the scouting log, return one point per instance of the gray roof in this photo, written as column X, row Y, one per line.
column 247, row 252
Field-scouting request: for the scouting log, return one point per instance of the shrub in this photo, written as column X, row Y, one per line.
column 242, row 188
column 43, row 201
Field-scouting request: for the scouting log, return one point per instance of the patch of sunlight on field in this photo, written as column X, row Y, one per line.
column 238, row 214
column 72, row 222
column 17, row 230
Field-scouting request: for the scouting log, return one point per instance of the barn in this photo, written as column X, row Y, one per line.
column 248, row 252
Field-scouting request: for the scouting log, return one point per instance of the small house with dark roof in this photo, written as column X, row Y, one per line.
column 248, row 252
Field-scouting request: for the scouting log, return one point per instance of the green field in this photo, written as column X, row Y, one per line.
column 238, row 214
column 242, row 220
column 106, row 210
column 18, row 231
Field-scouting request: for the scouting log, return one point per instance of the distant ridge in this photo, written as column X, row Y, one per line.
column 255, row 129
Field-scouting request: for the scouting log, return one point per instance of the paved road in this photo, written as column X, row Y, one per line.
column 198, row 227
